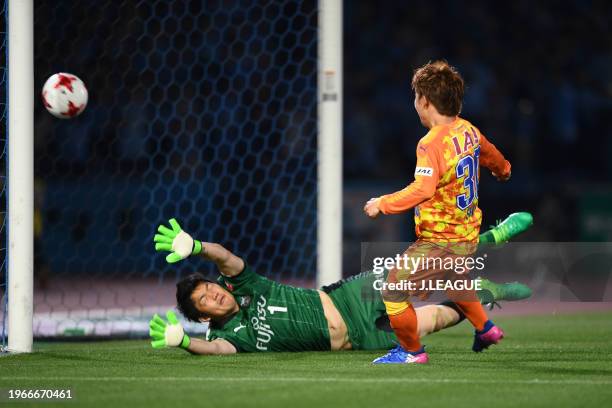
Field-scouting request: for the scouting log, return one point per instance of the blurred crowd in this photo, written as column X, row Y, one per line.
column 226, row 91
column 539, row 85
column 538, row 74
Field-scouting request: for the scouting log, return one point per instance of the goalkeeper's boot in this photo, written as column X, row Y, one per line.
column 490, row 334
column 513, row 225
column 400, row 356
column 491, row 292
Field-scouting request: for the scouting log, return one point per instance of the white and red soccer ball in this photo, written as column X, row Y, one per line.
column 64, row 95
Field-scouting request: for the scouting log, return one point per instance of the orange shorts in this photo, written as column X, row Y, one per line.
column 430, row 266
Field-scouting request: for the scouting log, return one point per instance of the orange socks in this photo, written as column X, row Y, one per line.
column 474, row 312
column 404, row 325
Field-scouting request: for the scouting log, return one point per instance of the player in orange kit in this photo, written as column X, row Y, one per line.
column 444, row 194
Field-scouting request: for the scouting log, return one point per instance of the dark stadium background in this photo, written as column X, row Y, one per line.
column 539, row 85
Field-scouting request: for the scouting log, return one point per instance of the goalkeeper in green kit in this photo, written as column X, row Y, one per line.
column 247, row 312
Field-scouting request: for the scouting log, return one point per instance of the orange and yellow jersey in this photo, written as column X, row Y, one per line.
column 444, row 192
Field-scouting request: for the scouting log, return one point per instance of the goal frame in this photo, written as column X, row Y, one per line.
column 20, row 161
column 20, row 175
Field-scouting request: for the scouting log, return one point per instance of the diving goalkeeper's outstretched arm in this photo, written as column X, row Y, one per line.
column 181, row 245
column 227, row 263
column 215, row 347
column 170, row 333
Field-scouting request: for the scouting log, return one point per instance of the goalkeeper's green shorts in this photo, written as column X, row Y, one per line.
column 363, row 311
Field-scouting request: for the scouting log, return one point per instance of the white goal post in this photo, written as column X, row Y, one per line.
column 20, row 188
column 329, row 211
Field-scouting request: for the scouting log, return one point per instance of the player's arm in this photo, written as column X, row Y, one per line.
column 170, row 333
column 228, row 264
column 215, row 347
column 492, row 159
column 181, row 245
column 426, row 177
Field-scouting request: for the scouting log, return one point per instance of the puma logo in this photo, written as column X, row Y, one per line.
column 240, row 326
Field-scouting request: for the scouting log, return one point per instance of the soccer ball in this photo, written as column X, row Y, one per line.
column 64, row 95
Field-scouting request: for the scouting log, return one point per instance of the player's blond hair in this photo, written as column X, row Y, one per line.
column 441, row 84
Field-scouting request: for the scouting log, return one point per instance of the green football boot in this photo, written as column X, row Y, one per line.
column 491, row 292
column 508, row 229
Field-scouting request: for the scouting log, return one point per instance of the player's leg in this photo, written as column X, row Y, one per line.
column 433, row 318
column 364, row 312
column 474, row 312
column 492, row 292
column 379, row 335
column 404, row 322
column 486, row 332
column 402, row 315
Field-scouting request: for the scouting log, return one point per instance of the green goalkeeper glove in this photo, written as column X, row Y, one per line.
column 169, row 334
column 176, row 241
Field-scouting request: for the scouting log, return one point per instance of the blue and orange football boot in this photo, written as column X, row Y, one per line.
column 400, row 356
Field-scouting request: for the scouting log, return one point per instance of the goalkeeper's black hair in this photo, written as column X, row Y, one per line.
column 184, row 303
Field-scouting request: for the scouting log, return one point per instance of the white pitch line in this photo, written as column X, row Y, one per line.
column 534, row 381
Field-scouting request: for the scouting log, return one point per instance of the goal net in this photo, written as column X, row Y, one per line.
column 203, row 111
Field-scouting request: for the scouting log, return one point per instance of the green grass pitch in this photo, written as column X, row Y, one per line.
column 545, row 361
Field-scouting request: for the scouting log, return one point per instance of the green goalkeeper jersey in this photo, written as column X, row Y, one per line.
column 272, row 316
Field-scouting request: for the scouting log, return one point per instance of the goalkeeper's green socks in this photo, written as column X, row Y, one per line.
column 495, row 292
